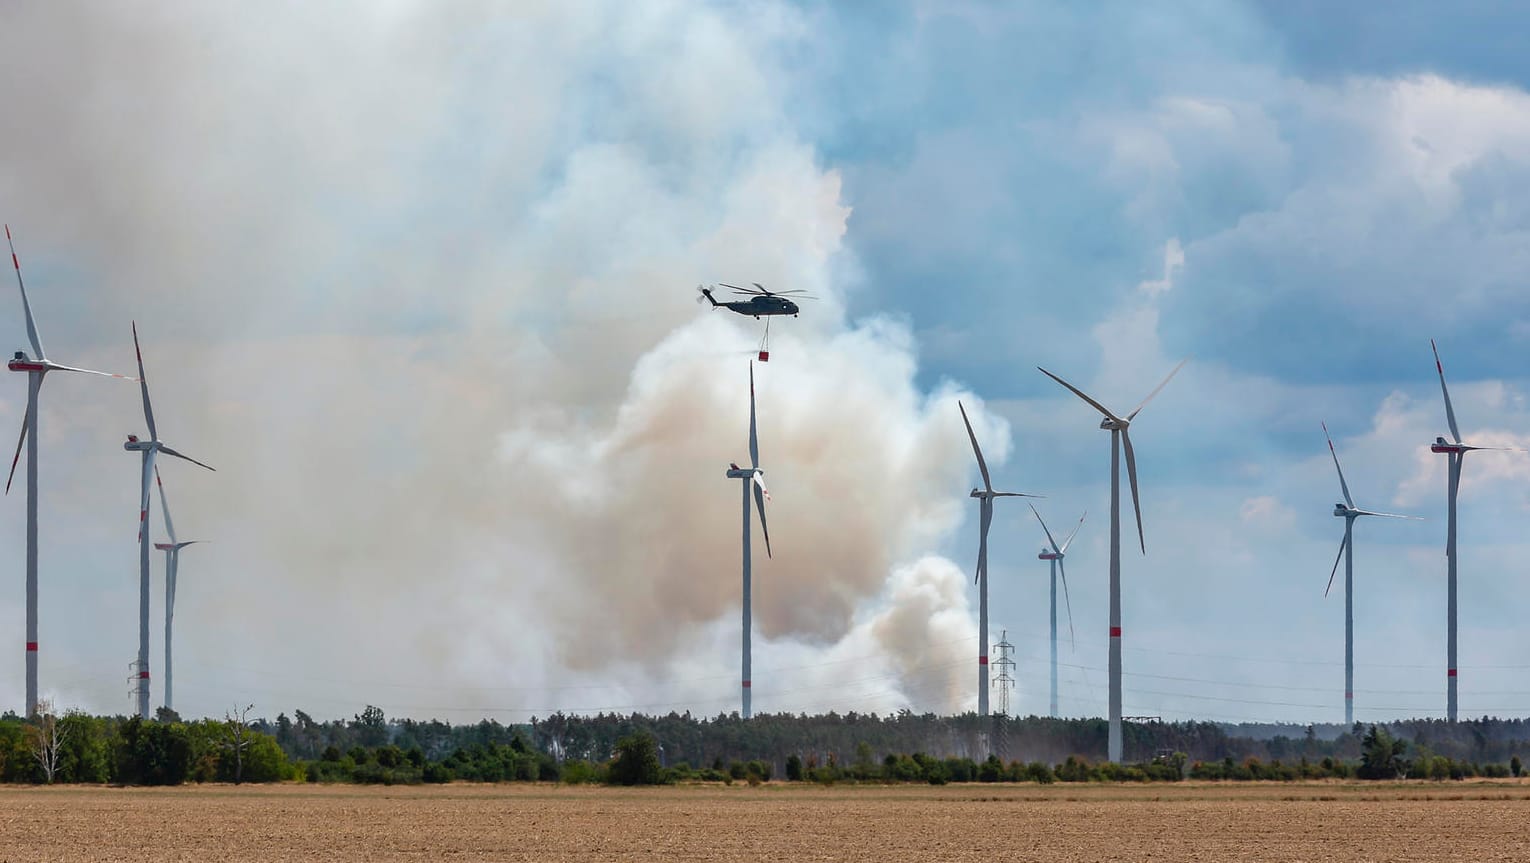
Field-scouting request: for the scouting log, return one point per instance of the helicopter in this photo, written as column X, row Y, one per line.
column 761, row 303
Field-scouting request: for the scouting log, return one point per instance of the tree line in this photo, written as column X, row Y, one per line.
column 851, row 747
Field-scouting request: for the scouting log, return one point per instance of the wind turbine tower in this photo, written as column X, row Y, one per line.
column 1120, row 439
column 148, row 449
column 1055, row 555
column 985, row 496
column 1455, row 451
column 1349, row 513
column 172, row 550
column 36, row 367
column 753, row 478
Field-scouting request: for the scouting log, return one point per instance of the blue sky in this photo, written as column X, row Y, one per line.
column 419, row 281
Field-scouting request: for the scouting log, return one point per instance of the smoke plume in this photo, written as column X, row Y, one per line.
column 418, row 282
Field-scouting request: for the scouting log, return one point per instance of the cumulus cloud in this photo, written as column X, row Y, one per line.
column 1173, row 261
column 1266, row 513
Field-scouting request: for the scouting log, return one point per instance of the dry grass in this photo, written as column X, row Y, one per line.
column 1298, row 822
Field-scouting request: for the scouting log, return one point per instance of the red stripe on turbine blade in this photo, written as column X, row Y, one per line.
column 1115, row 632
column 31, row 647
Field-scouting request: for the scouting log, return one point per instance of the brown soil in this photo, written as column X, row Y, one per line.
column 1478, row 821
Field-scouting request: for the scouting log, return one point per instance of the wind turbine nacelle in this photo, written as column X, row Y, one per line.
column 20, row 363
column 737, row 472
column 1111, row 424
column 1340, row 511
column 1440, row 445
column 1049, row 555
column 977, row 492
column 133, row 444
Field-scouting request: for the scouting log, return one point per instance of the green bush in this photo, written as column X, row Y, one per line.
column 581, row 773
column 152, row 753
column 636, row 762
column 794, row 768
column 1038, row 772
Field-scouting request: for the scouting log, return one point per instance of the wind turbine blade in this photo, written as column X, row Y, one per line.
column 1450, row 412
column 1018, row 494
column 1342, row 484
column 1342, row 544
column 1390, row 515
column 759, row 482
column 1138, row 409
column 54, row 367
column 754, row 437
column 986, row 508
column 1050, row 540
column 759, row 504
column 25, row 415
column 976, row 450
column 1131, row 475
column 168, row 451
column 1069, row 541
column 1080, row 393
column 1067, row 603
column 143, row 383
column 26, row 307
column 165, row 505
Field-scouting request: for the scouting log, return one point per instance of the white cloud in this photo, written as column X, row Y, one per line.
column 1173, row 262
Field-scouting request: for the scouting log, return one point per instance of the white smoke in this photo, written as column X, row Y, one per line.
column 418, row 283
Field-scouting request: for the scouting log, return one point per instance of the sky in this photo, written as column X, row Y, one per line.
column 418, row 281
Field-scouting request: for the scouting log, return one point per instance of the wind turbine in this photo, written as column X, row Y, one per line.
column 172, row 550
column 985, row 496
column 148, row 448
column 1456, row 453
column 1056, row 555
column 1120, row 439
column 753, row 477
column 36, row 368
column 1349, row 513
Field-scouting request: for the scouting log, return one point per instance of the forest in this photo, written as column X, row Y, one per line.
column 371, row 748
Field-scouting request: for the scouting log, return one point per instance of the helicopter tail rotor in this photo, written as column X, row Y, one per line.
column 704, row 294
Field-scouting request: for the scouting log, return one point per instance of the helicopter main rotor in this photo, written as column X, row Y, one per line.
column 760, row 290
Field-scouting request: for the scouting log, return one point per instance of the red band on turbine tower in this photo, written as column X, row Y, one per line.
column 1450, row 673
column 1115, row 632
column 982, row 660
column 746, row 684
column 143, row 675
column 32, row 646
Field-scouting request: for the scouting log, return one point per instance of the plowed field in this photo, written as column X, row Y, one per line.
column 1307, row 822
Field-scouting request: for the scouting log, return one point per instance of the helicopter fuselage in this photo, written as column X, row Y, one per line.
column 762, row 306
